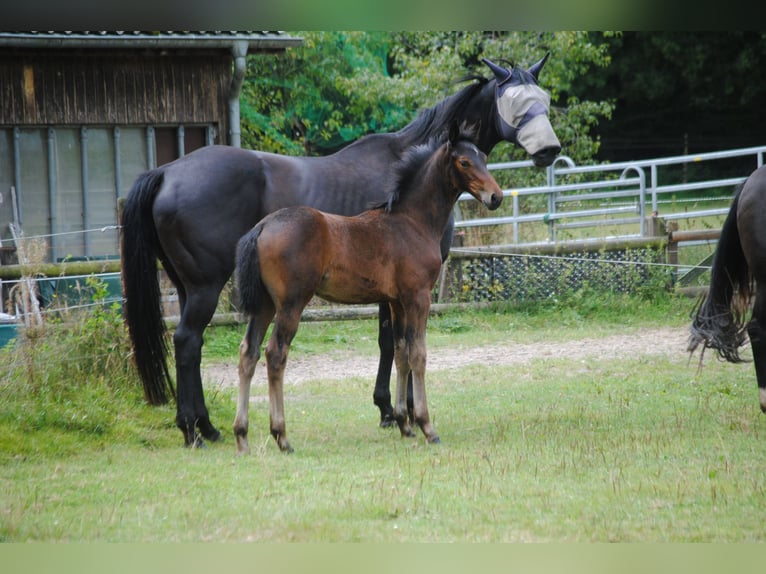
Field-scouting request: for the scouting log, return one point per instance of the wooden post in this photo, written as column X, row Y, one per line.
column 672, row 250
column 655, row 226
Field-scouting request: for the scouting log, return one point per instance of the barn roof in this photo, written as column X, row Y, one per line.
column 258, row 40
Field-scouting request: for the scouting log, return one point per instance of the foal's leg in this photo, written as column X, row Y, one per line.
column 285, row 327
column 756, row 329
column 401, row 412
column 416, row 339
column 249, row 353
column 401, row 359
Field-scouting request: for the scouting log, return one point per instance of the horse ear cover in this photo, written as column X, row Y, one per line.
column 501, row 74
column 535, row 68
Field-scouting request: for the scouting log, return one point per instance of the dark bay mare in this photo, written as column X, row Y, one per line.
column 738, row 278
column 389, row 255
column 190, row 214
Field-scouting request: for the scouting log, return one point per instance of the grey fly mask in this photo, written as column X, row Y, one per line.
column 523, row 108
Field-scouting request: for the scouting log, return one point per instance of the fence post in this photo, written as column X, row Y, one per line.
column 656, row 226
column 672, row 249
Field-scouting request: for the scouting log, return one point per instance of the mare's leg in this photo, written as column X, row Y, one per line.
column 197, row 309
column 756, row 330
column 249, row 353
column 285, row 327
column 382, row 394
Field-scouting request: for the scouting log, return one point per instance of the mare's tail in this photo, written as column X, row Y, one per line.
column 143, row 310
column 249, row 282
column 720, row 320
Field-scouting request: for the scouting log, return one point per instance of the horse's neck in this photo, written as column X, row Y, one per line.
column 431, row 200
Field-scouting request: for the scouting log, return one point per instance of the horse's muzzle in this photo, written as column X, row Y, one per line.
column 494, row 201
column 545, row 156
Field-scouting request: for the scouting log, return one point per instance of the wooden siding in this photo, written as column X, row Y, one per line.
column 80, row 88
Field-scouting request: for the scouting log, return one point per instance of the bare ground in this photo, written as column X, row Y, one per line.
column 662, row 341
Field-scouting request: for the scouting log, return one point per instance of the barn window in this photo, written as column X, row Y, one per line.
column 68, row 180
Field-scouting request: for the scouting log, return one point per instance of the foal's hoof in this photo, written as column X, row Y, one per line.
column 282, row 442
column 434, row 440
column 242, row 447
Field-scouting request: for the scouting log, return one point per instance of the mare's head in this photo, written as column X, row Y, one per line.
column 522, row 111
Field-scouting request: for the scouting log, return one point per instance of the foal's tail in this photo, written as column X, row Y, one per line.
column 719, row 320
column 249, row 282
column 143, row 311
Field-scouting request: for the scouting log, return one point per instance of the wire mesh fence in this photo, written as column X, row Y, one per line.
column 521, row 277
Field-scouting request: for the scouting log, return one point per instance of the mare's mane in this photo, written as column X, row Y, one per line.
column 430, row 122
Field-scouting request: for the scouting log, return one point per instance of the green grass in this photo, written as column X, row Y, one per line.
column 564, row 449
column 643, row 450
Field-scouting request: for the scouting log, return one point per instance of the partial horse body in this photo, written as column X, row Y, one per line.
column 190, row 214
column 738, row 279
column 389, row 255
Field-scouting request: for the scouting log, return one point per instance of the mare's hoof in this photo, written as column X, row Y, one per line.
column 209, row 432
column 387, row 421
column 214, row 437
column 196, row 443
column 434, row 440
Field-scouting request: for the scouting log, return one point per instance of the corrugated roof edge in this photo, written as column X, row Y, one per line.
column 264, row 40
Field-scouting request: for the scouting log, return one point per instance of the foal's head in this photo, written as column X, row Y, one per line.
column 468, row 170
column 453, row 162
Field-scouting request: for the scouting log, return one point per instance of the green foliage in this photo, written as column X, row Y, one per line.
column 339, row 86
column 317, row 96
column 680, row 92
column 72, row 375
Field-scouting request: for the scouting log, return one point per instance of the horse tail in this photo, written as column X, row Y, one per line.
column 719, row 319
column 249, row 282
column 143, row 310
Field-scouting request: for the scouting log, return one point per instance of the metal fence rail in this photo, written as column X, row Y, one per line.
column 626, row 192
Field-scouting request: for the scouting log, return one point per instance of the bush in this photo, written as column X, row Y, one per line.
column 74, row 372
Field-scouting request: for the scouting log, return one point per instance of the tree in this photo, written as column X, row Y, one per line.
column 318, row 97
column 680, row 92
column 339, row 86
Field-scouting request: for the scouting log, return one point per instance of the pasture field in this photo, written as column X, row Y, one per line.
column 636, row 444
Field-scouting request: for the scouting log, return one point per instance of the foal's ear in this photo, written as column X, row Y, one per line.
column 454, row 133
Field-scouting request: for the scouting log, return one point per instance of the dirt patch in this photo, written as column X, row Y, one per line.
column 664, row 341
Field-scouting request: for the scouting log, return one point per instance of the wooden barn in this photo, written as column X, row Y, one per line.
column 82, row 114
